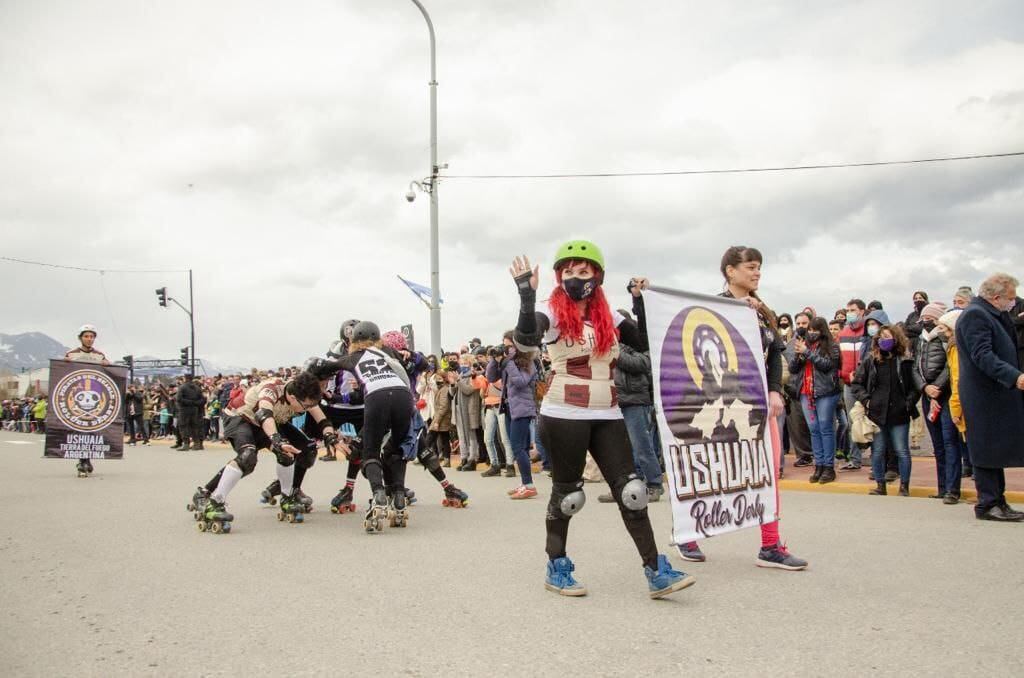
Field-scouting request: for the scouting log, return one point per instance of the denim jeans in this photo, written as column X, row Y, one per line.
column 641, row 432
column 519, row 432
column 410, row 444
column 545, row 461
column 843, row 430
column 494, row 425
column 898, row 437
column 856, row 455
column 943, row 434
column 822, row 423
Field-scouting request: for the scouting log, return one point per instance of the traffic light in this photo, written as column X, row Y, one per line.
column 161, row 295
column 184, row 356
column 128, row 360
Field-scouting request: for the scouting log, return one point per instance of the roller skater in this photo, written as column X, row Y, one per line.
column 269, row 495
column 579, row 412
column 388, row 409
column 199, row 501
column 86, row 353
column 261, row 419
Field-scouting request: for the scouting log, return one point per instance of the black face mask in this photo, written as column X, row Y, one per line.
column 579, row 289
column 813, row 336
column 920, row 304
column 928, row 325
column 783, row 326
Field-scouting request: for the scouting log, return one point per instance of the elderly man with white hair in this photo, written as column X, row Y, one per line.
column 992, row 393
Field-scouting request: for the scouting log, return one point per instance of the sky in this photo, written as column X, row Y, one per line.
column 268, row 147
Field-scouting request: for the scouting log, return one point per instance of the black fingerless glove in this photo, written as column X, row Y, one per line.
column 277, row 444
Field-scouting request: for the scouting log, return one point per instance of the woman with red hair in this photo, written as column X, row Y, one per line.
column 580, row 411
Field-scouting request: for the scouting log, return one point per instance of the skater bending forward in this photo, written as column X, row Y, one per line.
column 580, row 410
column 387, row 408
column 261, row 419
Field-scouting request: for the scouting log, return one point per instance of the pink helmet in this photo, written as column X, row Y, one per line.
column 394, row 340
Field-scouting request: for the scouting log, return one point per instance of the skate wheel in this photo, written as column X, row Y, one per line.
column 280, row 516
column 227, row 527
column 201, row 526
column 291, row 517
column 190, row 507
column 300, row 518
column 216, row 527
column 334, row 509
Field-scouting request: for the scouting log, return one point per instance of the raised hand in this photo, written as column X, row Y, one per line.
column 523, row 274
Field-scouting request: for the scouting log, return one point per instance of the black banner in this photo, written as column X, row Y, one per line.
column 85, row 417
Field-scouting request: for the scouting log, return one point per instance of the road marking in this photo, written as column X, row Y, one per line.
column 19, row 442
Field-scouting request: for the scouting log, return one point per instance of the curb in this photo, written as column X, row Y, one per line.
column 862, row 488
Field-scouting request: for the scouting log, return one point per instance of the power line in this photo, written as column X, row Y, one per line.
column 91, row 270
column 663, row 173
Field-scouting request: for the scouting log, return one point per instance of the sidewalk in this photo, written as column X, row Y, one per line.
column 922, row 481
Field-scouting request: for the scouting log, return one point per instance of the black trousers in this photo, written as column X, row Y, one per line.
column 991, row 486
column 567, row 442
column 136, row 426
column 387, row 411
column 190, row 426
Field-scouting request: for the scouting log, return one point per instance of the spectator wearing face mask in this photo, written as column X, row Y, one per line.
column 851, row 343
column 883, row 383
column 912, row 325
column 786, row 327
column 962, row 297
column 815, row 364
column 876, row 320
column 960, row 466
column 931, row 376
column 796, row 424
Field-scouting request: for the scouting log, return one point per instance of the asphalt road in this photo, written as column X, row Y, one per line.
column 108, row 576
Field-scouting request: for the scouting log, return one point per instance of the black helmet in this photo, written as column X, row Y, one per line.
column 366, row 331
column 347, row 325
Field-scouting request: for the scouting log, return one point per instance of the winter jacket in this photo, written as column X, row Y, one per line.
column 912, row 328
column 878, row 396
column 442, row 420
column 851, row 340
column 148, row 405
column 930, row 368
column 468, row 405
column 133, row 404
column 190, row 396
column 880, row 317
column 633, row 377
column 39, row 409
column 824, row 375
column 955, row 409
column 1017, row 318
column 518, row 389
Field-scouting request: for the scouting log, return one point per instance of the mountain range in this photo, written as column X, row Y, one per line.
column 31, row 350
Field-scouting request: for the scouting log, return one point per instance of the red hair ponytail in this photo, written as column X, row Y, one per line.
column 570, row 322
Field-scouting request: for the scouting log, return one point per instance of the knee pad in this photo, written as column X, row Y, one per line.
column 567, row 499
column 631, row 492
column 368, row 463
column 284, row 459
column 246, row 459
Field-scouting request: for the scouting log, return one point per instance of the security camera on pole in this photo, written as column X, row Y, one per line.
column 162, row 299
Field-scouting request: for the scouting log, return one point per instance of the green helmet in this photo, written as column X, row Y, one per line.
column 582, row 250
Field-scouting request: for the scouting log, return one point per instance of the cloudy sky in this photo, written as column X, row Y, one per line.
column 268, row 146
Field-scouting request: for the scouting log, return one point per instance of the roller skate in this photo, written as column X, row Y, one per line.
column 269, row 495
column 342, row 502
column 398, row 514
column 410, row 497
column 305, row 500
column 83, row 470
column 377, row 513
column 214, row 518
column 198, row 504
column 291, row 509
column 455, row 497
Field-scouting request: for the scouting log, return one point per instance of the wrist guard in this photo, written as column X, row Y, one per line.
column 277, row 444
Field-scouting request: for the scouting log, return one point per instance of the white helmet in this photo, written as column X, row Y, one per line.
column 86, row 328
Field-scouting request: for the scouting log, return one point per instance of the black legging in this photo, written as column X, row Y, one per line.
column 567, row 442
column 384, row 411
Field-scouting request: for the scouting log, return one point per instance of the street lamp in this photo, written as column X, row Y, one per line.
column 430, row 185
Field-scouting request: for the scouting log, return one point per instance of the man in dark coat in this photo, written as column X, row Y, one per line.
column 992, row 393
column 190, row 408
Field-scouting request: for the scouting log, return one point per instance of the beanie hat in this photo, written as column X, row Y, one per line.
column 933, row 310
column 949, row 319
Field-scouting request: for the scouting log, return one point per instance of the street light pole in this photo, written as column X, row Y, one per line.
column 433, row 185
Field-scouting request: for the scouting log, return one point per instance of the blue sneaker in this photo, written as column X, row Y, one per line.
column 560, row 580
column 691, row 552
column 777, row 556
column 666, row 580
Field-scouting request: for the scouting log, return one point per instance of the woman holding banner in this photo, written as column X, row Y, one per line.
column 580, row 412
column 741, row 269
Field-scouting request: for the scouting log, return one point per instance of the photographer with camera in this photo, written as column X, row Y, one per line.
column 468, row 412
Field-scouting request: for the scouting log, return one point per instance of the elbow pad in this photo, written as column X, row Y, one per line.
column 526, row 342
column 263, row 414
